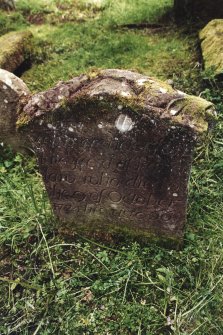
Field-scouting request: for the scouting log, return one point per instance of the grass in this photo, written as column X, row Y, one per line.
column 51, row 285
column 78, row 48
column 128, row 11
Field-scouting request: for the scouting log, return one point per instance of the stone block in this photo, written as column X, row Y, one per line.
column 115, row 152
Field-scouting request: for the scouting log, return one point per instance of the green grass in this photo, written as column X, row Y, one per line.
column 137, row 11
column 51, row 285
column 78, row 48
column 80, row 287
column 33, row 7
column 9, row 22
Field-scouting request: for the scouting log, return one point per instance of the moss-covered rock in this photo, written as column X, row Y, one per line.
column 212, row 46
column 15, row 49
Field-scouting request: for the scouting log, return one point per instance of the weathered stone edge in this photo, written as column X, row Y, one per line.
column 129, row 88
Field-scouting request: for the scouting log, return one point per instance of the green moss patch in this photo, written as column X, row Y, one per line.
column 15, row 49
column 212, row 46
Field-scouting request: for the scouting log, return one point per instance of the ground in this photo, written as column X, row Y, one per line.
column 51, row 285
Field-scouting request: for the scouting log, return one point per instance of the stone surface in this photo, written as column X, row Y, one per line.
column 12, row 89
column 115, row 152
column 15, row 49
column 211, row 38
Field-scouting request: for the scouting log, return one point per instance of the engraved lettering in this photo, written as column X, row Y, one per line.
column 100, row 175
column 115, row 196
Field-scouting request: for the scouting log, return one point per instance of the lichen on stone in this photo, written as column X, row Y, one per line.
column 137, row 92
column 194, row 112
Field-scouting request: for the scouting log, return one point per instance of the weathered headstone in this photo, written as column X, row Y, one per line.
column 12, row 89
column 115, row 152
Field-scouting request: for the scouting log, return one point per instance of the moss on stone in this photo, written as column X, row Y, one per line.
column 15, row 49
column 195, row 112
column 113, row 231
column 104, row 90
column 212, row 46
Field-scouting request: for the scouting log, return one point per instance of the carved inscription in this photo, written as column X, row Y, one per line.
column 122, row 178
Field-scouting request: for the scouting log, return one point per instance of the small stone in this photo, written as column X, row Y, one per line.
column 173, row 112
column 124, row 123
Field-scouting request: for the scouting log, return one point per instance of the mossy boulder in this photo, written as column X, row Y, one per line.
column 211, row 38
column 15, row 49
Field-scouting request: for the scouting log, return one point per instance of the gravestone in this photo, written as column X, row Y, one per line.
column 115, row 152
column 12, row 89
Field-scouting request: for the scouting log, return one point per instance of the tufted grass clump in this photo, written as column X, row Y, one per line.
column 12, row 21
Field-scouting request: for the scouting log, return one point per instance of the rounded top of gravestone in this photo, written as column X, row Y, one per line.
column 120, row 89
